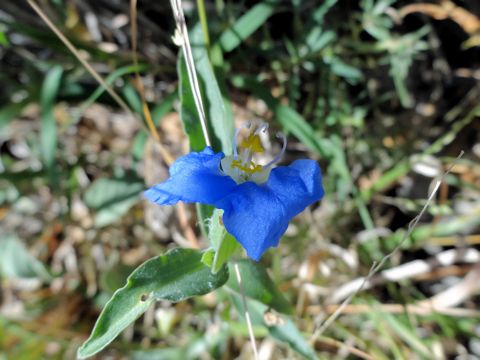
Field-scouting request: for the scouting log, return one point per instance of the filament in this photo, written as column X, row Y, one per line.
column 280, row 155
column 262, row 128
column 246, row 125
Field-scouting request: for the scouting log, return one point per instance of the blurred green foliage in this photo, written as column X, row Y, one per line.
column 371, row 94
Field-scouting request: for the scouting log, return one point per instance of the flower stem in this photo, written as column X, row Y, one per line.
column 203, row 21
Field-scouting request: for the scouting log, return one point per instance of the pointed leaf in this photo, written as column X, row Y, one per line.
column 246, row 25
column 175, row 276
column 219, row 116
column 48, row 133
column 16, row 262
column 227, row 248
column 224, row 245
column 112, row 198
column 188, row 110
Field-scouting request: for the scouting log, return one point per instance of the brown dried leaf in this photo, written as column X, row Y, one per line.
column 469, row 22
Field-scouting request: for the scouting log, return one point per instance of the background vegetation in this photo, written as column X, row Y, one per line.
column 383, row 93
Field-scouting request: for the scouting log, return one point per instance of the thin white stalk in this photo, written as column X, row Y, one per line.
column 181, row 38
column 247, row 314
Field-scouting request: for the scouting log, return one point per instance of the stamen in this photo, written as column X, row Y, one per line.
column 280, row 155
column 252, row 144
column 262, row 128
column 246, row 125
column 249, row 169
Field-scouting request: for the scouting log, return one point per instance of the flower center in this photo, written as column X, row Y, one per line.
column 241, row 167
column 249, row 169
column 253, row 143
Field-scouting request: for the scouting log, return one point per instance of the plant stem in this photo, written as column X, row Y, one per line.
column 203, row 21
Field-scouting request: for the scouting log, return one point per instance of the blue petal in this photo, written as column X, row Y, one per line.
column 195, row 177
column 297, row 185
column 258, row 215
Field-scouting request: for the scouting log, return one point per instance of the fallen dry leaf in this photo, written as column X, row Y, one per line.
column 446, row 10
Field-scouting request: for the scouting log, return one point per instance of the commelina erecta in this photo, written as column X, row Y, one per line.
column 258, row 201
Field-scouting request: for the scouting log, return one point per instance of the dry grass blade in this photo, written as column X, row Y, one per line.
column 167, row 157
column 420, row 309
column 80, row 58
column 181, row 38
column 446, row 10
column 457, row 293
column 337, row 346
column 146, row 111
column 151, row 128
column 453, row 240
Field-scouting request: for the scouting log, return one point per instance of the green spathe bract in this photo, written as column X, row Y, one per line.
column 174, row 276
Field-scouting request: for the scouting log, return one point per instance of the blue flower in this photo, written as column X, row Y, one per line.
column 258, row 201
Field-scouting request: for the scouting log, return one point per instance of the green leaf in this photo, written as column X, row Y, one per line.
column 207, row 257
column 132, row 97
column 204, row 213
column 317, row 39
column 219, row 116
column 286, row 332
column 246, row 25
column 188, row 111
column 16, row 262
column 375, row 20
column 158, row 112
column 3, row 40
column 344, row 70
column 224, row 244
column 219, row 119
column 159, row 354
column 112, row 198
column 216, row 230
column 228, row 247
column 175, row 276
column 48, row 132
column 258, row 285
column 407, row 334
column 321, row 10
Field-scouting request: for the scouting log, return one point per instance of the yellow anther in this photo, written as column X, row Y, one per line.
column 249, row 169
column 253, row 143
